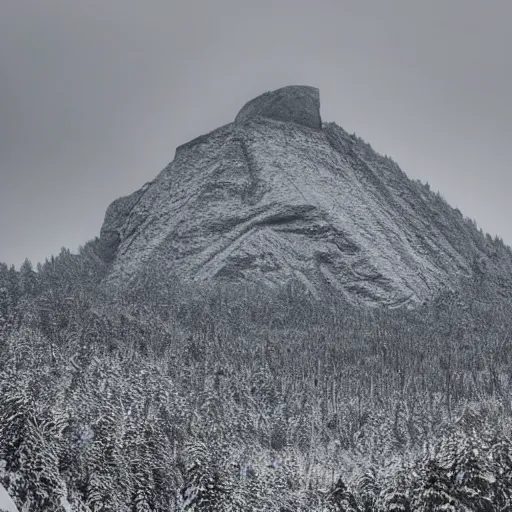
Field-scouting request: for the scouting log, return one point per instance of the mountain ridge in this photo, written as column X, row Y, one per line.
column 277, row 195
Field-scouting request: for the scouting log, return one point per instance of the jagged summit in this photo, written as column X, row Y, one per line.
column 276, row 195
column 299, row 104
column 296, row 103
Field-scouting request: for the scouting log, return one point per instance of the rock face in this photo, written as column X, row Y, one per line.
column 295, row 104
column 276, row 195
column 117, row 214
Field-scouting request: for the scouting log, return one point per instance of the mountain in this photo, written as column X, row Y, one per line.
column 278, row 195
column 124, row 389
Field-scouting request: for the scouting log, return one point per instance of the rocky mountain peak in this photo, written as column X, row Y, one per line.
column 296, row 103
column 277, row 196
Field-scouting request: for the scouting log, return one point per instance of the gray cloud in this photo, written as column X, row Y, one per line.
column 95, row 96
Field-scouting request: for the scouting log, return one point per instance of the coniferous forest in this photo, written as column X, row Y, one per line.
column 171, row 396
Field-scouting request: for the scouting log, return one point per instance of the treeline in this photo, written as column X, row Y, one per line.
column 172, row 396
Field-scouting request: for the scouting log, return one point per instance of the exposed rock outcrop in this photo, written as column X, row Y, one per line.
column 115, row 219
column 296, row 103
column 272, row 197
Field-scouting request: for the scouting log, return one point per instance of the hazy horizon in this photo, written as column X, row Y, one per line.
column 95, row 97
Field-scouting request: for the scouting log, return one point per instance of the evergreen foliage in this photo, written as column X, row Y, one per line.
column 174, row 396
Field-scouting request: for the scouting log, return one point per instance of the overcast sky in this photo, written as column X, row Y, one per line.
column 95, row 95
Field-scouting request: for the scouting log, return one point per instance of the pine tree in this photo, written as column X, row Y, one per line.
column 435, row 492
column 368, row 490
column 9, row 296
column 27, row 279
column 341, row 499
column 205, row 488
column 396, row 497
column 473, row 476
column 13, row 285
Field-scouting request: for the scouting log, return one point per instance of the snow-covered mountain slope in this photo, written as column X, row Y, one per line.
column 277, row 195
